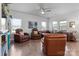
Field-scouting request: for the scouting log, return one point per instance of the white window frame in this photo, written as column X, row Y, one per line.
column 63, row 25
column 55, row 25
column 3, row 24
column 43, row 25
column 18, row 25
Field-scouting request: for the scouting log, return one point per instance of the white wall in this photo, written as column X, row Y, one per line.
column 26, row 18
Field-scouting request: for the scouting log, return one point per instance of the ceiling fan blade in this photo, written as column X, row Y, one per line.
column 48, row 10
column 42, row 9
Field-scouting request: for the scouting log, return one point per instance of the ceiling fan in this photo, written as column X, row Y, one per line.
column 44, row 10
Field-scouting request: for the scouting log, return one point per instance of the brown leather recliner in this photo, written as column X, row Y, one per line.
column 54, row 44
column 19, row 36
column 35, row 35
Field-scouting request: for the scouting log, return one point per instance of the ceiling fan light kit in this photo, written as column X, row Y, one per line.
column 42, row 12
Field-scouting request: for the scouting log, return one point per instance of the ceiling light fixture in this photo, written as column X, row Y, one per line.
column 42, row 12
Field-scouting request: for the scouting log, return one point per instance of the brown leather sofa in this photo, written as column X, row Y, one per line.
column 46, row 31
column 54, row 44
column 19, row 36
column 35, row 35
column 70, row 36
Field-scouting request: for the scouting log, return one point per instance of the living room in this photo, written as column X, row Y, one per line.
column 55, row 20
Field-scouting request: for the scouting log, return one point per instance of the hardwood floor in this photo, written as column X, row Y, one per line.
column 72, row 49
column 34, row 48
column 29, row 48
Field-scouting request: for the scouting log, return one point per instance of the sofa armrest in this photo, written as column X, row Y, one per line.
column 16, row 37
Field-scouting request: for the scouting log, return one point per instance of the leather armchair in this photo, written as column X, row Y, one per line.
column 35, row 35
column 19, row 36
column 54, row 44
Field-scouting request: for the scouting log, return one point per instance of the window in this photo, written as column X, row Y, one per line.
column 3, row 24
column 63, row 25
column 15, row 23
column 55, row 25
column 43, row 25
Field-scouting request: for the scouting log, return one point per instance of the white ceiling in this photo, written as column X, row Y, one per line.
column 57, row 9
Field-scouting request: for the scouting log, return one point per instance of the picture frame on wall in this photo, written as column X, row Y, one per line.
column 32, row 24
column 71, row 24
